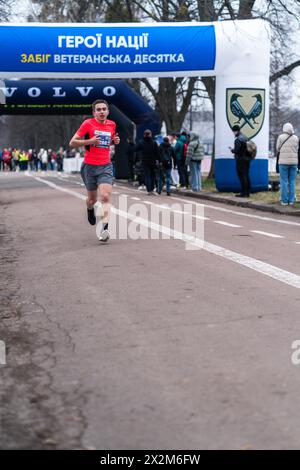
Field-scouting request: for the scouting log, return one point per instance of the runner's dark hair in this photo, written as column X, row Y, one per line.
column 99, row 102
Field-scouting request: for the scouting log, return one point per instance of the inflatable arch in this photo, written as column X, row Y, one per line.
column 131, row 112
column 75, row 97
column 237, row 53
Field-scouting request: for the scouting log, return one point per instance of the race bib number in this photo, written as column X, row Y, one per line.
column 104, row 139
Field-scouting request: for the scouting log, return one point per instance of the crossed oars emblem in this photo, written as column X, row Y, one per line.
column 238, row 110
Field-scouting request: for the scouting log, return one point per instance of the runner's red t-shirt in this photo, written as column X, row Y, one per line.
column 97, row 155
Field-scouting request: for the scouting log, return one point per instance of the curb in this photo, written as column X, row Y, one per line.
column 295, row 212
column 249, row 204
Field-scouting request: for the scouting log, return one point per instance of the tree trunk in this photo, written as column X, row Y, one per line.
column 166, row 98
column 245, row 9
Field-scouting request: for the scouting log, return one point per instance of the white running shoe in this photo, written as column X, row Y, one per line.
column 104, row 236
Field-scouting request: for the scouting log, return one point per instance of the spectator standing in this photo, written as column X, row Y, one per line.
column 179, row 152
column 195, row 154
column 43, row 157
column 35, row 160
column 242, row 160
column 6, row 159
column 59, row 159
column 166, row 157
column 149, row 156
column 288, row 147
column 15, row 157
column 23, row 160
column 130, row 158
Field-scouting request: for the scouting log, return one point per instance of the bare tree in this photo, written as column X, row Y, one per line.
column 26, row 132
column 67, row 11
column 172, row 97
column 6, row 8
column 55, row 131
column 283, row 17
column 280, row 14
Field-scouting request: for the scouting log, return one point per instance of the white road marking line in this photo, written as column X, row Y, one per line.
column 297, row 243
column 136, row 198
column 115, row 192
column 230, row 211
column 278, row 274
column 59, row 188
column 267, row 219
column 165, row 206
column 200, row 217
column 267, row 234
column 221, row 222
column 252, row 263
column 178, row 212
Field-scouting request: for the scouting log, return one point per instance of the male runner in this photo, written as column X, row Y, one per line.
column 97, row 134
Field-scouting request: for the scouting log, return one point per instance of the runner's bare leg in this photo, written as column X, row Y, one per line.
column 91, row 199
column 104, row 195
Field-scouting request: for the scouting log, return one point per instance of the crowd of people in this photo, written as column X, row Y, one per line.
column 35, row 160
column 175, row 161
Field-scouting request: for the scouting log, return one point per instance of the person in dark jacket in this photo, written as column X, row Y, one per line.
column 138, row 171
column 180, row 158
column 166, row 156
column 150, row 158
column 130, row 158
column 242, row 160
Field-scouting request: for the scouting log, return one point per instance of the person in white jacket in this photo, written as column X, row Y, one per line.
column 288, row 148
column 43, row 157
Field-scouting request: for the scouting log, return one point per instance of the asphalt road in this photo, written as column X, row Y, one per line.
column 145, row 343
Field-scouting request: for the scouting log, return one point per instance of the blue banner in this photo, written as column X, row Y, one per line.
column 106, row 50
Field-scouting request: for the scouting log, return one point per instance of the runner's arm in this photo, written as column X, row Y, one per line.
column 77, row 141
column 116, row 138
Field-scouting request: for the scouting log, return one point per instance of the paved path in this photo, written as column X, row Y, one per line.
column 145, row 344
